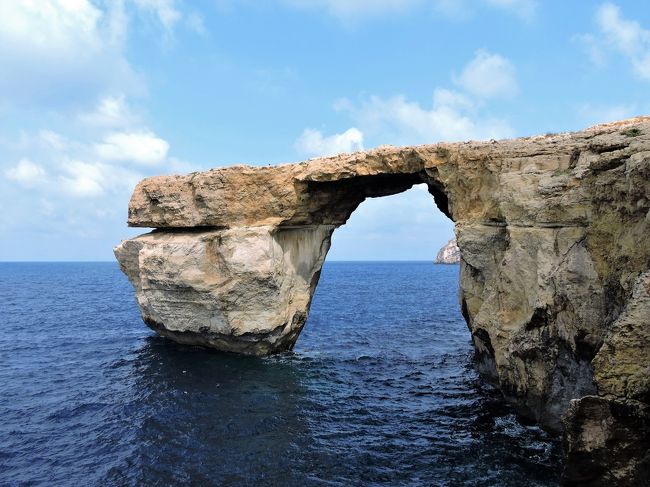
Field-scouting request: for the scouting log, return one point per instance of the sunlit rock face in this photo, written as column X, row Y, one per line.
column 553, row 233
column 243, row 289
column 449, row 254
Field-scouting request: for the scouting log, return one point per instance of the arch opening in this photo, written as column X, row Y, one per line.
column 395, row 356
column 404, row 226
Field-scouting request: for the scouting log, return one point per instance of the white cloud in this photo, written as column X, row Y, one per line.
column 313, row 142
column 92, row 179
column 71, row 168
column 61, row 50
column 26, row 173
column 627, row 36
column 53, row 140
column 61, row 25
column 166, row 11
column 75, row 177
column 143, row 148
column 489, row 76
column 65, row 84
column 83, row 180
column 449, row 98
column 110, row 111
column 58, row 52
column 397, row 120
column 623, row 36
column 453, row 115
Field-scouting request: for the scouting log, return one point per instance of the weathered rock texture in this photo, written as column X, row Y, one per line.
column 449, row 254
column 554, row 279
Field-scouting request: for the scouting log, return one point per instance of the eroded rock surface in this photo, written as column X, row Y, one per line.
column 449, row 254
column 555, row 254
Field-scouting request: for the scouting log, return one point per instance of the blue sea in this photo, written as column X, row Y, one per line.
column 380, row 390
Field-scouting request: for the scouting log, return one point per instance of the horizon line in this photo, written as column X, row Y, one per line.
column 115, row 261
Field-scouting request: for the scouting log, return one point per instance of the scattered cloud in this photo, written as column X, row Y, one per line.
column 82, row 170
column 312, row 142
column 110, row 111
column 620, row 35
column 489, row 76
column 70, row 131
column 143, row 148
column 83, row 179
column 69, row 168
column 92, row 179
column 46, row 64
column 453, row 114
column 398, row 120
column 52, row 140
column 27, row 173
column 65, row 52
column 165, row 11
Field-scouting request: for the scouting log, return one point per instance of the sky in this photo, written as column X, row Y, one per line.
column 98, row 94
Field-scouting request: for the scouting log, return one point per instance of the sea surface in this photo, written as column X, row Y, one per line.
column 380, row 390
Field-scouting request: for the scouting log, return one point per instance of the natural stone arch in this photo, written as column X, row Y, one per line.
column 272, row 228
column 555, row 267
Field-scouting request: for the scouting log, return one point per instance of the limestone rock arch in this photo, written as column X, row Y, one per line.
column 555, row 259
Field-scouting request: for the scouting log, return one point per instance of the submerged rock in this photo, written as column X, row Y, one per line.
column 553, row 232
column 449, row 254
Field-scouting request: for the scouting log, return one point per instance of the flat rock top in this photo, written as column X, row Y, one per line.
column 305, row 193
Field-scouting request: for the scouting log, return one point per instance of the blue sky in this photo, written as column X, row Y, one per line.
column 95, row 95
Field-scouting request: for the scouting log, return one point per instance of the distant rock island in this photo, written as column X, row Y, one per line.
column 449, row 254
column 554, row 280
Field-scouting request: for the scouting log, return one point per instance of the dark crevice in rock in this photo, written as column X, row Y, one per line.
column 607, row 443
column 190, row 230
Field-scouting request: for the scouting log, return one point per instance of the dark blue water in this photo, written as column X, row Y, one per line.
column 380, row 391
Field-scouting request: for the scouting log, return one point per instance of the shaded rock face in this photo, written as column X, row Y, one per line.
column 449, row 254
column 555, row 255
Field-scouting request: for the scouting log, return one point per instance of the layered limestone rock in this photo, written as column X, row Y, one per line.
column 553, row 234
column 243, row 290
column 449, row 254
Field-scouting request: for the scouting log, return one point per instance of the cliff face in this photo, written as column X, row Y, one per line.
column 554, row 279
column 449, row 254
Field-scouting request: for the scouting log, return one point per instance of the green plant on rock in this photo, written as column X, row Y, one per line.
column 634, row 132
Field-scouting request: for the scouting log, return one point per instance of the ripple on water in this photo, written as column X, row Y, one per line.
column 380, row 391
